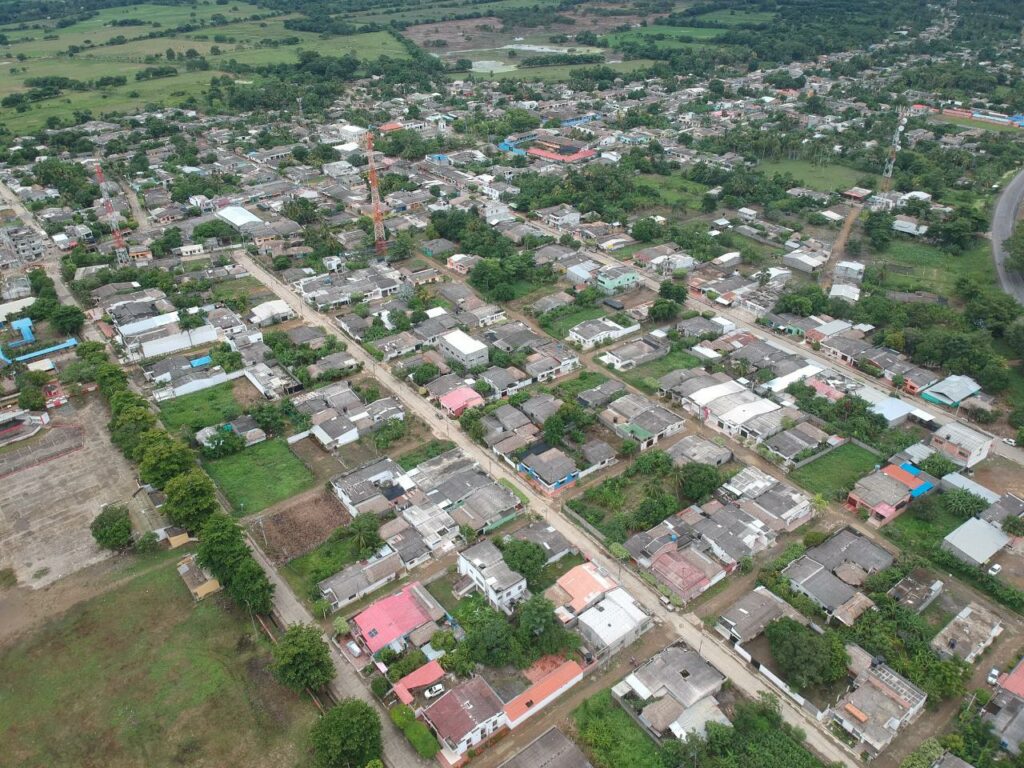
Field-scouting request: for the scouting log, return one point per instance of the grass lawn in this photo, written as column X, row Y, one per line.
column 611, row 737
column 645, row 377
column 201, row 409
column 665, row 37
column 967, row 122
column 839, row 469
column 441, row 590
column 920, row 266
column 260, row 476
column 568, row 388
column 560, row 326
column 676, row 189
column 559, row 568
column 425, row 452
column 304, row 572
column 922, row 526
column 733, row 18
column 144, row 676
column 824, row 178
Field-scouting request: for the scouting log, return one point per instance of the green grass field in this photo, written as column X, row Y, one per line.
column 676, row 189
column 645, row 377
column 967, row 122
column 201, row 409
column 260, row 476
column 912, row 265
column 665, row 37
column 330, row 556
column 824, row 178
column 144, row 676
column 735, row 18
column 246, row 42
column 560, row 327
column 839, row 469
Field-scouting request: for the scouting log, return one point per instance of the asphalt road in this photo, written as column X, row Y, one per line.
column 1007, row 208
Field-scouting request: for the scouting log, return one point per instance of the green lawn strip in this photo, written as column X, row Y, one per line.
column 205, row 408
column 839, row 469
column 260, row 476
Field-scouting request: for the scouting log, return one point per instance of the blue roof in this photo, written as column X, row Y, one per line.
column 908, row 467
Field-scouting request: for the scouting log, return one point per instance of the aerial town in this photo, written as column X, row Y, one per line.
column 580, row 385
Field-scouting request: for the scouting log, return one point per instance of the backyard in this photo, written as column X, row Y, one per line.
column 260, row 476
column 559, row 322
column 835, row 471
column 144, row 676
column 645, row 377
column 201, row 409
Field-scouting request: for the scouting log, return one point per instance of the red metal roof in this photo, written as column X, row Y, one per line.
column 426, row 675
column 390, row 618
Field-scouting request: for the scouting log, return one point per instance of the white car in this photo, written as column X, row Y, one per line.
column 995, row 570
column 993, row 676
column 354, row 648
column 434, row 691
column 1010, row 442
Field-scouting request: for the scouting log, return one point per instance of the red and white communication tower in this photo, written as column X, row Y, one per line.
column 120, row 249
column 379, row 236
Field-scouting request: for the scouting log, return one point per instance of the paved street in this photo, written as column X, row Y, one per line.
column 688, row 627
column 1003, row 218
column 397, row 751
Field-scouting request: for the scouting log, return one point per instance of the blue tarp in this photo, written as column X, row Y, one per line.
column 199, row 362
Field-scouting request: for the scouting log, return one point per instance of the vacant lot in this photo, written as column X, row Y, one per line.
column 645, row 377
column 824, row 178
column 838, row 470
column 909, row 265
column 260, row 476
column 666, row 37
column 201, row 409
column 144, row 676
column 299, row 526
column 47, row 504
column 559, row 324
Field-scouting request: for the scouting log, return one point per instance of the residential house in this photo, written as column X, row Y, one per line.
column 392, row 621
column 459, row 346
column 881, row 704
column 885, row 493
column 963, row 445
column 487, row 571
column 638, row 418
column 551, row 470
column 968, row 634
column 200, row 582
column 362, row 578
column 590, row 333
column 749, row 616
column 677, row 688
column 975, row 542
column 615, row 622
column 464, row 717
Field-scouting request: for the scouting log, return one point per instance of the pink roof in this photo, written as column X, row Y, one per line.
column 1014, row 682
column 825, row 390
column 391, row 618
column 584, row 584
column 426, row 675
column 543, row 691
column 461, row 398
column 559, row 158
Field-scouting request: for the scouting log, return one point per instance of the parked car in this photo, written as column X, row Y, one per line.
column 434, row 691
column 1010, row 442
column 353, row 648
column 995, row 570
column 993, row 676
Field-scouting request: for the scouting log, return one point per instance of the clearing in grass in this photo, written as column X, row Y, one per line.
column 824, row 178
column 142, row 675
column 260, row 476
column 205, row 408
column 836, row 471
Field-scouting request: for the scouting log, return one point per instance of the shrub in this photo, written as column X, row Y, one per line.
column 380, row 687
column 112, row 528
column 422, row 739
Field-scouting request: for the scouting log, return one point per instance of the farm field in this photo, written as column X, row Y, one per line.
column 238, row 38
column 260, row 476
column 834, row 471
column 144, row 676
column 824, row 178
column 201, row 409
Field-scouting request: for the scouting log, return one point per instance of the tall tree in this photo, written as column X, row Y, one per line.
column 348, row 736
column 302, row 659
column 191, row 499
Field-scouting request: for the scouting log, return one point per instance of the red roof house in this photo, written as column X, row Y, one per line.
column 464, row 717
column 459, row 400
column 423, row 677
column 542, row 693
column 391, row 619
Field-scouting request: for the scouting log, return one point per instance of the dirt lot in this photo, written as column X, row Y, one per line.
column 487, row 32
column 299, row 525
column 320, row 462
column 46, row 508
column 246, row 394
column 1001, row 475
